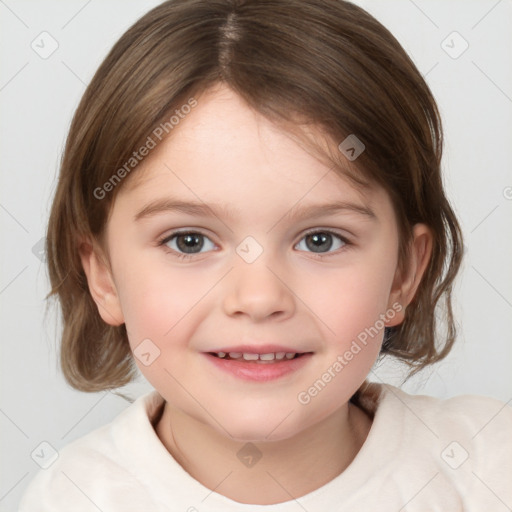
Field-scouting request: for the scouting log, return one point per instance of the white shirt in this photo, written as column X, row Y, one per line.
column 422, row 454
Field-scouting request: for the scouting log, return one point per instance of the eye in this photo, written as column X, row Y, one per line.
column 187, row 242
column 321, row 241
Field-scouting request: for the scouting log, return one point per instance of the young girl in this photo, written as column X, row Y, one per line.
column 250, row 210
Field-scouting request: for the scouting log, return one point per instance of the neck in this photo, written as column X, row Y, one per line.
column 286, row 469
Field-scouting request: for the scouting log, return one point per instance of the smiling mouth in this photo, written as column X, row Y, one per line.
column 259, row 367
column 269, row 358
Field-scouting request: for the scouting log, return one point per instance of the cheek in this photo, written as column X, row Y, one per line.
column 158, row 304
column 351, row 305
column 352, row 298
column 154, row 298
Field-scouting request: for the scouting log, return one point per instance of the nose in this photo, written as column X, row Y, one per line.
column 256, row 290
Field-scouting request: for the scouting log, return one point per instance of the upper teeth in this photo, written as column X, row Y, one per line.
column 262, row 357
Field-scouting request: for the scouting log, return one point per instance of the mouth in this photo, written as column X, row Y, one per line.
column 252, row 357
column 256, row 366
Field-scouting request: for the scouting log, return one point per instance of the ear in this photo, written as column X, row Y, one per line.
column 101, row 283
column 408, row 278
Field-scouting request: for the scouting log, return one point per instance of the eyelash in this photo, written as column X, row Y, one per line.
column 183, row 256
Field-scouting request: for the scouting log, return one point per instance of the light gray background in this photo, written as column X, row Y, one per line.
column 37, row 99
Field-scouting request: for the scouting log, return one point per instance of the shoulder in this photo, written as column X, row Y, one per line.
column 464, row 443
column 482, row 418
column 85, row 466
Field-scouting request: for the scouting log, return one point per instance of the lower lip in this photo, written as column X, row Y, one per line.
column 259, row 372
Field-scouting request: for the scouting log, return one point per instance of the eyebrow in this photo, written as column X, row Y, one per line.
column 166, row 205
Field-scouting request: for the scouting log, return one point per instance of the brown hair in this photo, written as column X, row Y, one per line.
column 326, row 61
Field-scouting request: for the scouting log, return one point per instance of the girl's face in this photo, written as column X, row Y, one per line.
column 279, row 254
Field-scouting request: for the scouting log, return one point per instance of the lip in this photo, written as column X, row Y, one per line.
column 257, row 372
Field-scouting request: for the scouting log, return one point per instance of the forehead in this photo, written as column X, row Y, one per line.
column 223, row 148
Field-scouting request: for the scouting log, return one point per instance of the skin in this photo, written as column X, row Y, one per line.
column 225, row 153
